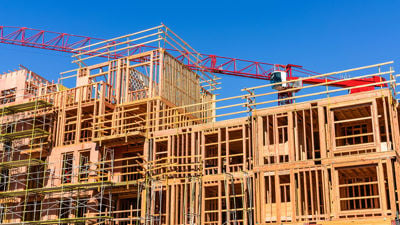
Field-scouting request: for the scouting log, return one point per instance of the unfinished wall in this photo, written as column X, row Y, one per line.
column 327, row 160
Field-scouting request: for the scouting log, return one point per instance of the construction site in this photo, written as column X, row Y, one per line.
column 142, row 138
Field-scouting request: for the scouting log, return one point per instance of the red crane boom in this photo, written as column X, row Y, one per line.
column 64, row 42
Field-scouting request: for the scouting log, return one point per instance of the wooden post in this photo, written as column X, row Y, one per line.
column 278, row 197
column 293, row 195
column 392, row 195
column 382, row 189
column 375, row 125
column 291, row 142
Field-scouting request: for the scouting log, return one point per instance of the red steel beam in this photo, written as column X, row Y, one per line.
column 44, row 39
column 64, row 42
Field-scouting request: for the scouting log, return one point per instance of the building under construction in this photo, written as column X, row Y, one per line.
column 143, row 138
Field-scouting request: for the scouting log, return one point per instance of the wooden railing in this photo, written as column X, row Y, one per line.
column 82, row 94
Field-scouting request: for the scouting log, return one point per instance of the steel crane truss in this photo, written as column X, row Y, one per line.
column 82, row 44
column 160, row 36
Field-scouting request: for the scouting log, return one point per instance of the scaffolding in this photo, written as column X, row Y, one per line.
column 32, row 192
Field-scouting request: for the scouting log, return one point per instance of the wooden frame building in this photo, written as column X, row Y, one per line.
column 140, row 140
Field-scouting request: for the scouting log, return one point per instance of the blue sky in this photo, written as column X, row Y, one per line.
column 323, row 36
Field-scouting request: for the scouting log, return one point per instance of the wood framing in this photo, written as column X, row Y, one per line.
column 143, row 139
